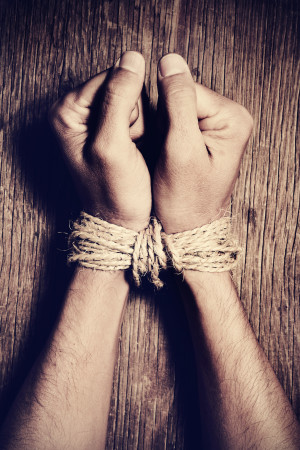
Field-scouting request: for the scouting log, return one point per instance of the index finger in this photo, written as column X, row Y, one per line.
column 85, row 94
column 219, row 114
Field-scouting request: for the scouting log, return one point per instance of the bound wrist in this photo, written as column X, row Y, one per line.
column 92, row 278
column 193, row 277
column 215, row 288
column 96, row 286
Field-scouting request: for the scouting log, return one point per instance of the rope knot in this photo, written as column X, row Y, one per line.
column 148, row 255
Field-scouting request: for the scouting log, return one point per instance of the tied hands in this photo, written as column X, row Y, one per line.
column 204, row 139
column 64, row 402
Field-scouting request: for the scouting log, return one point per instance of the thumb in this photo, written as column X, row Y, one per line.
column 177, row 94
column 120, row 98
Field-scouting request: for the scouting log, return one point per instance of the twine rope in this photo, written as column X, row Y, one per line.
column 100, row 245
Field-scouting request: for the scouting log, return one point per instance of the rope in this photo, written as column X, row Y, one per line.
column 101, row 245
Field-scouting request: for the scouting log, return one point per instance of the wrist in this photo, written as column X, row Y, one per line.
column 95, row 277
column 111, row 286
column 213, row 290
column 195, row 278
column 213, row 307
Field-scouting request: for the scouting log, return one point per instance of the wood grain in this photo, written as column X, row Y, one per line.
column 246, row 50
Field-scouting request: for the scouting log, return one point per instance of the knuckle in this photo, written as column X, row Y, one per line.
column 243, row 123
column 120, row 86
column 52, row 113
column 238, row 122
column 105, row 151
column 134, row 115
column 63, row 113
column 99, row 149
column 137, row 130
column 178, row 88
column 247, row 120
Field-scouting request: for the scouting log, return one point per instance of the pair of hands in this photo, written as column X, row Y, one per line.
column 204, row 139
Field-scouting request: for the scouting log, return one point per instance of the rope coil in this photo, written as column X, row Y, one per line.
column 100, row 245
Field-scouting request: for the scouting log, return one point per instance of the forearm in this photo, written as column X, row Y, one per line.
column 65, row 400
column 246, row 406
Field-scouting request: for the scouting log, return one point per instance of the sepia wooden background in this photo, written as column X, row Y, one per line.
column 244, row 49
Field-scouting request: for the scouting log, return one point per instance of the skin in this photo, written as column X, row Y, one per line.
column 64, row 402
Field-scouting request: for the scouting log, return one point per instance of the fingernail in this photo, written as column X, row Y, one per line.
column 172, row 64
column 132, row 61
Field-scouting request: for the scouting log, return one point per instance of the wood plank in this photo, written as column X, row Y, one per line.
column 245, row 50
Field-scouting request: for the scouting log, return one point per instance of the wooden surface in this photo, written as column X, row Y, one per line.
column 246, row 50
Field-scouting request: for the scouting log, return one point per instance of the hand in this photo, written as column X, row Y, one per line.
column 206, row 135
column 110, row 173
